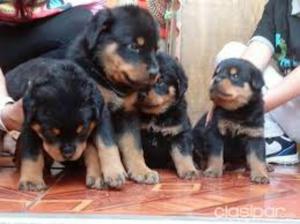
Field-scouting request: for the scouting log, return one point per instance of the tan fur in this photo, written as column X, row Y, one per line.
column 170, row 130
column 93, row 168
column 232, row 128
column 54, row 152
column 237, row 96
column 111, row 165
column 140, row 41
column 32, row 171
column 184, row 163
column 233, row 71
column 134, row 161
column 110, row 159
column 157, row 104
column 214, row 166
column 56, row 131
column 79, row 129
column 92, row 161
column 37, row 128
column 257, row 167
column 117, row 69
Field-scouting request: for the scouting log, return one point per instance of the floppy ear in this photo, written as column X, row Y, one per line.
column 182, row 81
column 100, row 23
column 29, row 104
column 257, row 81
column 217, row 69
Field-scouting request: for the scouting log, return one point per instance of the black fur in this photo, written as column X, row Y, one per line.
column 209, row 141
column 121, row 26
column 56, row 94
column 157, row 142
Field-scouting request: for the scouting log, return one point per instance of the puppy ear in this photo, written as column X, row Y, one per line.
column 257, row 81
column 217, row 69
column 182, row 81
column 100, row 23
column 29, row 104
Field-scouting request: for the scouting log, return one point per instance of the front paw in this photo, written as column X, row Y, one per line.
column 114, row 179
column 189, row 174
column 145, row 176
column 213, row 172
column 32, row 185
column 94, row 182
column 260, row 179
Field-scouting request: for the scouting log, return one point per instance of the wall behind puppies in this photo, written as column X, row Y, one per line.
column 206, row 26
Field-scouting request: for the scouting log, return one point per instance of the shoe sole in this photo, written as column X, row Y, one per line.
column 284, row 160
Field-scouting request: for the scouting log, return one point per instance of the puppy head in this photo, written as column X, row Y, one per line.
column 123, row 42
column 169, row 89
column 62, row 107
column 235, row 83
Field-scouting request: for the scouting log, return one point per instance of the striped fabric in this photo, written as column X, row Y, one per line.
column 45, row 8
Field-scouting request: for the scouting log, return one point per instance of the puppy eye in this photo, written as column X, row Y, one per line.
column 133, row 47
column 235, row 76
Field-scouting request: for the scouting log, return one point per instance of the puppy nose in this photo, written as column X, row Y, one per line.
column 68, row 151
column 153, row 71
column 142, row 96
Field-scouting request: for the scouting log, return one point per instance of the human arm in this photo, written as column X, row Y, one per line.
column 11, row 113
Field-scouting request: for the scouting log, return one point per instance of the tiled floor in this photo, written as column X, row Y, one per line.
column 231, row 196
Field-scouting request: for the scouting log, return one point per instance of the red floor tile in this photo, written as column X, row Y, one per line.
column 232, row 195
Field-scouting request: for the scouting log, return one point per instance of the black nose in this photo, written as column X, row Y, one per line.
column 68, row 151
column 142, row 95
column 153, row 70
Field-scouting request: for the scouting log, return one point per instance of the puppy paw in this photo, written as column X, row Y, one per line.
column 29, row 185
column 210, row 172
column 115, row 179
column 146, row 177
column 93, row 182
column 260, row 179
column 189, row 175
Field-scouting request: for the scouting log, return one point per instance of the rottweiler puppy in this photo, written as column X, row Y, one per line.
column 165, row 125
column 236, row 130
column 118, row 49
column 64, row 115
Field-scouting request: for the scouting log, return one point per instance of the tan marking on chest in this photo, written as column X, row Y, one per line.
column 234, row 129
column 170, row 130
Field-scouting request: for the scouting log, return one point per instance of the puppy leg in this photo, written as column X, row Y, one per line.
column 32, row 163
column 111, row 165
column 93, row 171
column 256, row 160
column 215, row 156
column 129, row 140
column 181, row 154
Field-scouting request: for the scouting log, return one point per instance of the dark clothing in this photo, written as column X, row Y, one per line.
column 45, row 37
column 282, row 29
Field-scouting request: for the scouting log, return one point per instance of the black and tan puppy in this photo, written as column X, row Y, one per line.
column 64, row 115
column 236, row 131
column 118, row 50
column 166, row 128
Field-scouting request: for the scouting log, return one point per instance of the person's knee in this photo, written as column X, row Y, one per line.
column 232, row 49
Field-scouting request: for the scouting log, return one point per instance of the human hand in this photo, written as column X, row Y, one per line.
column 12, row 116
